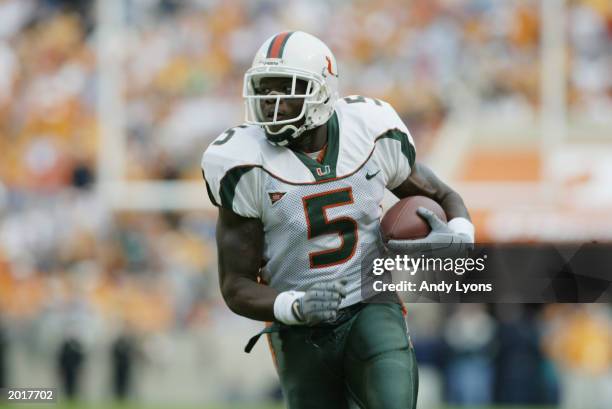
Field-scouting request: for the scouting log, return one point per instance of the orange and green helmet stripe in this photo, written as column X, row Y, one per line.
column 277, row 45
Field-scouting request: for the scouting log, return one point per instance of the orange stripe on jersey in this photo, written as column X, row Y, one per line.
column 277, row 45
column 268, row 337
column 272, row 352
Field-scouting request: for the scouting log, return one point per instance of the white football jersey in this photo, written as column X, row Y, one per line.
column 321, row 219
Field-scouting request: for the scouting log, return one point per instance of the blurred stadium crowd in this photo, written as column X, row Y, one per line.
column 70, row 265
column 512, row 354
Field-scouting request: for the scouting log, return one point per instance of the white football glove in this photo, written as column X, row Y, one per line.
column 320, row 303
column 441, row 242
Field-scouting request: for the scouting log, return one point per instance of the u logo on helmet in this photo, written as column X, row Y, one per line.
column 328, row 68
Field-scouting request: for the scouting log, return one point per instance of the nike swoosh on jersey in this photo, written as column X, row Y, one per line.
column 368, row 176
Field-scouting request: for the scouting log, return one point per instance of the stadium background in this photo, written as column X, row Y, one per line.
column 107, row 255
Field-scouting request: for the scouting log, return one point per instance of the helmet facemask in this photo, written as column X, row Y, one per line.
column 314, row 97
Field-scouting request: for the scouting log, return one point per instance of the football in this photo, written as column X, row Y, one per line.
column 401, row 221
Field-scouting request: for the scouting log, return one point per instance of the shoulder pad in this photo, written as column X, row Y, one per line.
column 373, row 115
column 238, row 146
column 238, row 149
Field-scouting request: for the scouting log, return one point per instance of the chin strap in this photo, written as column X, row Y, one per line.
column 287, row 134
column 278, row 138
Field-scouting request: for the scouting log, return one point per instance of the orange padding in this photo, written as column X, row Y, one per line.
column 495, row 165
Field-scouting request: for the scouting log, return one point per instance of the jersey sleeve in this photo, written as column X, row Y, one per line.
column 233, row 179
column 394, row 147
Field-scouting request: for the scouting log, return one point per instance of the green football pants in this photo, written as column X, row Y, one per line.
column 367, row 361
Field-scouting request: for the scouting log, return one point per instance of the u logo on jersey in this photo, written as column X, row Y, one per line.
column 326, row 170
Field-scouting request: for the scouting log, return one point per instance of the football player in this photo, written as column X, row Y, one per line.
column 299, row 187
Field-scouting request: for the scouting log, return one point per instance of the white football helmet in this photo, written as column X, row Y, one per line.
column 295, row 55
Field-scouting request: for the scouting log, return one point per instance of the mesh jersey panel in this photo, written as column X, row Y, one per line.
column 287, row 246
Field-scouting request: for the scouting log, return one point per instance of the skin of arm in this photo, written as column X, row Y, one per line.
column 240, row 243
column 423, row 182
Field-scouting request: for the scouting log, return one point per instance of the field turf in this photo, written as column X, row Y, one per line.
column 61, row 405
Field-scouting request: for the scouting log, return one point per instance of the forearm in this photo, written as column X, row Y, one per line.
column 240, row 249
column 423, row 181
column 250, row 299
column 453, row 205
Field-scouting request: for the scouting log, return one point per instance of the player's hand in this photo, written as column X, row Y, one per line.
column 442, row 241
column 320, row 303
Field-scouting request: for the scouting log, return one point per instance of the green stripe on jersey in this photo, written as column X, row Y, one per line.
column 407, row 147
column 227, row 191
column 327, row 168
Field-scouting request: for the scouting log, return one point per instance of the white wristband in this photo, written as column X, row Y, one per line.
column 283, row 307
column 462, row 225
